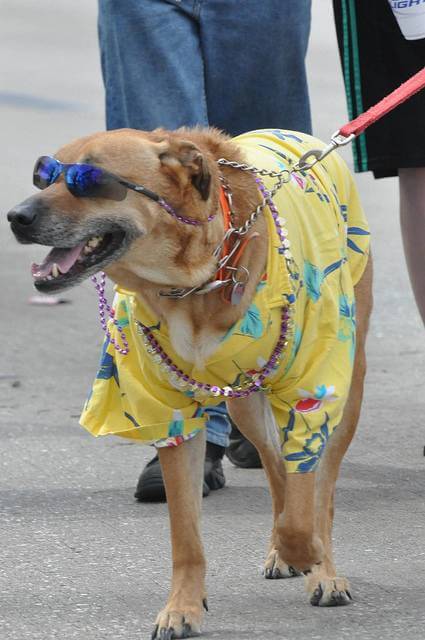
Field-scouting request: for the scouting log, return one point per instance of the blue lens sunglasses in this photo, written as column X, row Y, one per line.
column 89, row 181
column 85, row 180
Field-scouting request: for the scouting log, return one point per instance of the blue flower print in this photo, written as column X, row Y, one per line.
column 251, row 324
column 313, row 278
column 108, row 368
column 278, row 133
column 122, row 314
column 344, row 212
column 289, row 427
column 347, row 331
column 332, row 267
column 199, row 412
column 279, row 154
column 313, row 449
column 355, row 231
column 321, row 391
column 284, row 135
column 132, row 420
column 175, row 427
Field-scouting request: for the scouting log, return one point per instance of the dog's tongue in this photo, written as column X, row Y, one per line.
column 64, row 258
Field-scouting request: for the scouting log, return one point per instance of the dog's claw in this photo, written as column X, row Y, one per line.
column 339, row 598
column 335, row 598
column 187, row 630
column 205, row 604
column 169, row 633
column 275, row 573
column 316, row 597
column 154, row 632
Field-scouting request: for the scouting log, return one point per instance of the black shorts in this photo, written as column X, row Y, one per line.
column 376, row 59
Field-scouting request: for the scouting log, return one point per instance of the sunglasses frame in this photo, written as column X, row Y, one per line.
column 64, row 168
column 139, row 188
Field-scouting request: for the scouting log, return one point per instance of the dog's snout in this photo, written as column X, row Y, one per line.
column 26, row 219
column 22, row 215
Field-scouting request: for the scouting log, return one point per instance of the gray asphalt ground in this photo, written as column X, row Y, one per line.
column 79, row 557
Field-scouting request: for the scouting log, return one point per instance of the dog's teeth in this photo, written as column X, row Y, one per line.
column 87, row 250
column 55, row 270
column 94, row 241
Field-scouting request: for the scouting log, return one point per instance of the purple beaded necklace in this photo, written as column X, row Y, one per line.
column 252, row 383
column 103, row 304
column 192, row 221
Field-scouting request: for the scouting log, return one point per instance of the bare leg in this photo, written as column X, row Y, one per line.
column 412, row 221
column 182, row 469
column 325, row 588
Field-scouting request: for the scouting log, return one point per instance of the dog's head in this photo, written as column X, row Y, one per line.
column 129, row 236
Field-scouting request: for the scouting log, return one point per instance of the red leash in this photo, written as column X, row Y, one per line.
column 355, row 127
column 384, row 106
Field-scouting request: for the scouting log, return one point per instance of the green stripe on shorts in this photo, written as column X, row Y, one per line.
column 349, row 25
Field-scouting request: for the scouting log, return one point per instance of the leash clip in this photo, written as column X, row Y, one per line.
column 337, row 140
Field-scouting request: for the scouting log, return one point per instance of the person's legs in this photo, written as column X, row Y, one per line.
column 151, row 64
column 254, row 55
column 412, row 221
column 218, row 425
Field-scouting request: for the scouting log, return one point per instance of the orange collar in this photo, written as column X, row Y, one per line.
column 234, row 261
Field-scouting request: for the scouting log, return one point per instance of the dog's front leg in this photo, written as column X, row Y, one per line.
column 296, row 536
column 182, row 469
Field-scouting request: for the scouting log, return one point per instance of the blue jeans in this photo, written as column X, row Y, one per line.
column 234, row 64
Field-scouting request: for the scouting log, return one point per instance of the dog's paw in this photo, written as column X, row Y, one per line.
column 178, row 622
column 275, row 568
column 331, row 592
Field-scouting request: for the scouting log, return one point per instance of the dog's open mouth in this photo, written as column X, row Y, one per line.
column 64, row 267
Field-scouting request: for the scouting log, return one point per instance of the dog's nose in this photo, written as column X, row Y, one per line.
column 22, row 215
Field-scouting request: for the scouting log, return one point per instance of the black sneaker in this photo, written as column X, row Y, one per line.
column 150, row 487
column 241, row 452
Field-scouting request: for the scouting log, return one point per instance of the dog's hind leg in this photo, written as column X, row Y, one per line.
column 323, row 585
column 182, row 469
column 254, row 419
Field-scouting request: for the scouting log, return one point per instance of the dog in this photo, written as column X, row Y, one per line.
column 242, row 275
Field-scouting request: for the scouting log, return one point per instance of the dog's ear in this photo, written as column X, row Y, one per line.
column 184, row 161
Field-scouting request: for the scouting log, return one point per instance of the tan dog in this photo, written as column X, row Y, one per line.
column 144, row 249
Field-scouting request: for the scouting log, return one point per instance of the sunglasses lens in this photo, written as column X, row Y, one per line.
column 86, row 181
column 46, row 172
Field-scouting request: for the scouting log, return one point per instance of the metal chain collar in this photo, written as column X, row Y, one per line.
column 282, row 177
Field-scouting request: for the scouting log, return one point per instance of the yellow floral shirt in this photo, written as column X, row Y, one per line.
column 133, row 397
